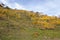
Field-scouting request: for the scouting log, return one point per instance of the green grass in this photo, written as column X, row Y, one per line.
column 13, row 28
column 28, row 34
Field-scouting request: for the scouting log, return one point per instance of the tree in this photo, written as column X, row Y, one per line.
column 7, row 7
column 2, row 5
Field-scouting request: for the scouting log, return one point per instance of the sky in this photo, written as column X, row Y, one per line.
column 49, row 7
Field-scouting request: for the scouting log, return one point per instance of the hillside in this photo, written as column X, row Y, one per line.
column 28, row 25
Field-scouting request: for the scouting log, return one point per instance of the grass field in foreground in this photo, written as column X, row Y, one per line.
column 30, row 34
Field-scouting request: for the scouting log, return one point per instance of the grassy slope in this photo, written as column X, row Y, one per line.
column 18, row 26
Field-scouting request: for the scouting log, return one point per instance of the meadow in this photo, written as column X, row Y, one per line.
column 28, row 25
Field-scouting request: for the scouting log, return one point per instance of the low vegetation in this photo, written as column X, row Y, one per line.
column 28, row 25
